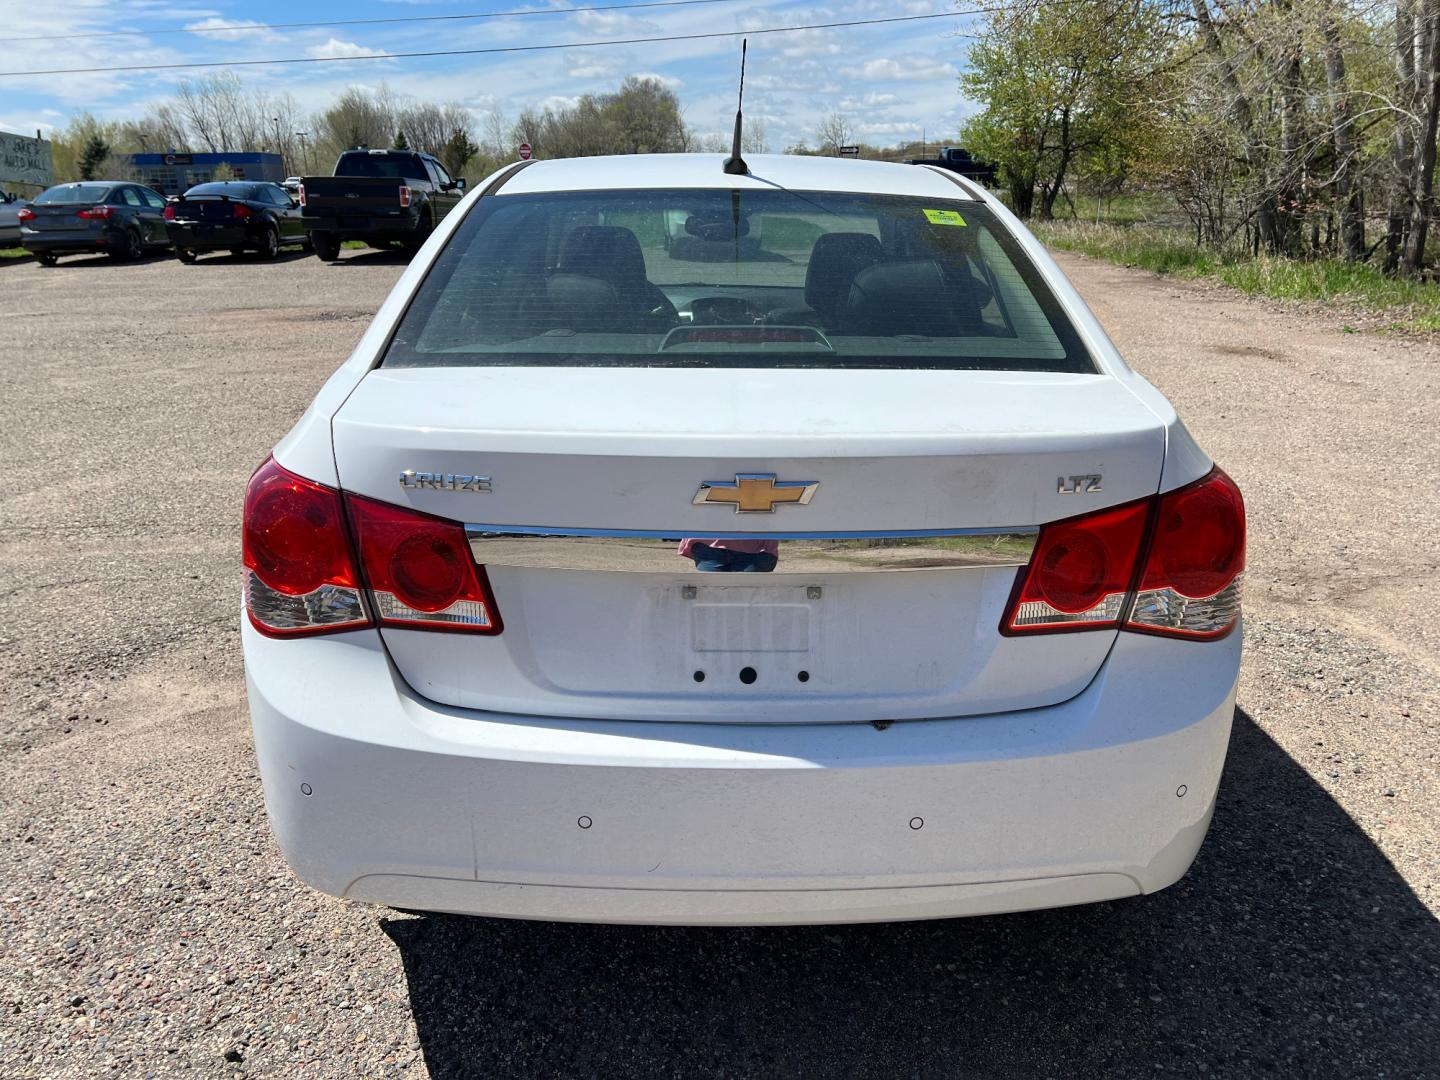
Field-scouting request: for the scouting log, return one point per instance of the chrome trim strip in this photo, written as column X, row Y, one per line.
column 656, row 551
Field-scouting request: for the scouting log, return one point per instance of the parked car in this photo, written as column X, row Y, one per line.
column 849, row 575
column 292, row 185
column 10, row 207
column 121, row 219
column 380, row 197
column 233, row 215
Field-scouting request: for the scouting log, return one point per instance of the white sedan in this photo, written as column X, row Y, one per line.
column 784, row 547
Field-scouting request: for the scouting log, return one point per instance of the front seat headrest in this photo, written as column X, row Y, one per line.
column 834, row 261
column 608, row 252
column 908, row 296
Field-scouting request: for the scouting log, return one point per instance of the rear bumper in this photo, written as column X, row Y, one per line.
column 205, row 237
column 361, row 226
column 62, row 242
column 378, row 795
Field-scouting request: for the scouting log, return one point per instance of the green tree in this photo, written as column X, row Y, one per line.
column 1063, row 86
column 93, row 155
column 458, row 149
column 400, row 143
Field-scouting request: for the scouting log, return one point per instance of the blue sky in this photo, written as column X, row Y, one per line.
column 889, row 81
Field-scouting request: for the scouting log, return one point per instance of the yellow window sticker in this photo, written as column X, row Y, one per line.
column 944, row 217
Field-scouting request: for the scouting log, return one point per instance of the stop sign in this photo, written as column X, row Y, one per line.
column 524, row 151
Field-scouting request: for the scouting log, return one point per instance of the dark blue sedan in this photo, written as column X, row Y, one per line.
column 113, row 217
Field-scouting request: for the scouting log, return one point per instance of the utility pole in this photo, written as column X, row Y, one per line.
column 304, row 151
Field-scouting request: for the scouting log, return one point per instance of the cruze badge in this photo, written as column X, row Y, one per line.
column 755, row 493
column 436, row 481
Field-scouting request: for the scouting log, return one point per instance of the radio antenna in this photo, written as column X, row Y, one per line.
column 735, row 164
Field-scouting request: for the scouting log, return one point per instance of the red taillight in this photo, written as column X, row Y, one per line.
column 240, row 210
column 25, row 214
column 97, row 213
column 169, row 211
column 300, row 194
column 1083, row 572
column 1080, row 572
column 1190, row 586
column 404, row 195
column 299, row 574
column 420, row 571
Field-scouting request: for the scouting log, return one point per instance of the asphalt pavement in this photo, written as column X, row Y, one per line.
column 148, row 925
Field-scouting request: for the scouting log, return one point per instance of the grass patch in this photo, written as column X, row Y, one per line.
column 1414, row 304
column 14, row 253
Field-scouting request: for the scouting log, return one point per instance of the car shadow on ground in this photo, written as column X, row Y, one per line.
column 388, row 256
column 1292, row 948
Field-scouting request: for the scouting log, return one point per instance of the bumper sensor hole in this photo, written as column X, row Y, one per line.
column 803, row 676
column 917, row 823
column 748, row 675
column 699, row 676
column 584, row 822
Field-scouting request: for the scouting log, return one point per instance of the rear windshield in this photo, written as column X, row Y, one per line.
column 235, row 191
column 396, row 167
column 74, row 193
column 714, row 278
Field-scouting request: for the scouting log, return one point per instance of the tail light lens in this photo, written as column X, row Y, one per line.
column 97, row 213
column 170, row 212
column 1190, row 586
column 300, row 194
column 240, row 210
column 25, row 214
column 420, row 570
column 1092, row 572
column 404, row 196
column 1080, row 572
column 299, row 574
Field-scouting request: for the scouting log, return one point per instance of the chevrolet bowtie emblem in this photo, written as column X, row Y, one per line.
column 755, row 493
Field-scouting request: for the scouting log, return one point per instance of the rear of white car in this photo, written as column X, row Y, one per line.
column 981, row 648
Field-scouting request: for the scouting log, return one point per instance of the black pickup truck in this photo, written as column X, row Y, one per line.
column 378, row 196
column 957, row 159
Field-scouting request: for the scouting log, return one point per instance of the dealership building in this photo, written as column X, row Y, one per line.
column 171, row 174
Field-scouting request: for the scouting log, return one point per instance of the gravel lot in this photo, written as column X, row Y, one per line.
column 150, row 927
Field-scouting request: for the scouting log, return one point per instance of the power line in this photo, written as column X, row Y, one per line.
column 250, row 27
column 499, row 48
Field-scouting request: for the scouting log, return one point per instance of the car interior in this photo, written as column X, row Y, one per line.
column 640, row 271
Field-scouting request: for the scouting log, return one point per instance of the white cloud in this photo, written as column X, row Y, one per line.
column 609, row 23
column 558, row 101
column 670, row 82
column 335, row 49
column 217, row 29
column 595, row 65
column 892, row 127
column 912, row 68
column 869, row 102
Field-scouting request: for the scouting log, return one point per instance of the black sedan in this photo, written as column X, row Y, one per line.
column 235, row 216
column 115, row 217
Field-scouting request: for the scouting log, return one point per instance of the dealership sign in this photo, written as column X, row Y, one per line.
column 25, row 161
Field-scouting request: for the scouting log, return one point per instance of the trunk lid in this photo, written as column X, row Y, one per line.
column 64, row 217
column 212, row 209
column 606, row 450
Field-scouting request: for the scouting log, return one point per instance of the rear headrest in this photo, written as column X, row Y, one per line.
column 608, row 252
column 834, row 262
